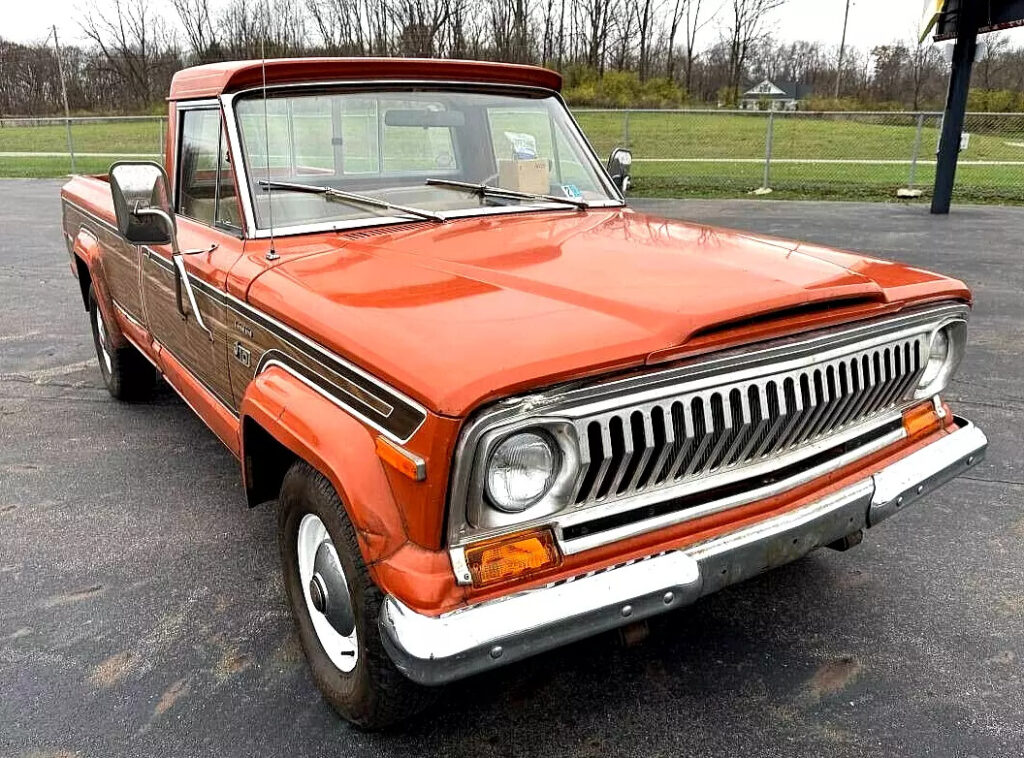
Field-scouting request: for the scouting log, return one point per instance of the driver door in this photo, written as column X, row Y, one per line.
column 209, row 233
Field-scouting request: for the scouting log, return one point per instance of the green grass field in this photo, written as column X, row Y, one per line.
column 669, row 150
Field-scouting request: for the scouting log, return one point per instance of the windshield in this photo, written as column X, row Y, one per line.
column 386, row 145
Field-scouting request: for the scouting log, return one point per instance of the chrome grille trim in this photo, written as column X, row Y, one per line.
column 736, row 424
column 761, row 407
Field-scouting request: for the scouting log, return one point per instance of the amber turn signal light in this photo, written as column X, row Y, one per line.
column 920, row 419
column 401, row 459
column 512, row 557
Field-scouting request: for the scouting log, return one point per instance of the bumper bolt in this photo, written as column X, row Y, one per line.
column 496, row 652
column 627, row 610
column 669, row 597
column 920, row 489
column 970, row 460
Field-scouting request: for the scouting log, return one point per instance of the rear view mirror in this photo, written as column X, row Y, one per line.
column 619, row 164
column 142, row 202
column 424, row 118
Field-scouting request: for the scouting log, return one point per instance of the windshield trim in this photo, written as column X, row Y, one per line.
column 363, row 223
column 229, row 104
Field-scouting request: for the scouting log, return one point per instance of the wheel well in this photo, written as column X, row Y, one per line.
column 84, row 280
column 266, row 462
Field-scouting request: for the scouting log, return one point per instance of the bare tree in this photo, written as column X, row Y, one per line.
column 642, row 19
column 923, row 62
column 992, row 60
column 200, row 32
column 591, row 19
column 343, row 25
column 509, row 25
column 134, row 43
column 748, row 23
column 419, row 25
column 686, row 14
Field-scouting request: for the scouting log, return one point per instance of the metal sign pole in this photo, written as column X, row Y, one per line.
column 956, row 106
column 64, row 94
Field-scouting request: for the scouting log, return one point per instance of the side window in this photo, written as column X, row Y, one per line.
column 206, row 189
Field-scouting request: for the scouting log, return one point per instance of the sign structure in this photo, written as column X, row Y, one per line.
column 997, row 15
column 930, row 15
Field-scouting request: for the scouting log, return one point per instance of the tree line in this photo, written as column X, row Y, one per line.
column 639, row 53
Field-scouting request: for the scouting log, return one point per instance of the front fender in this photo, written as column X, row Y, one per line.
column 336, row 444
column 343, row 449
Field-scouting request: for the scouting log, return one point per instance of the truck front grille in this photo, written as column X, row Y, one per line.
column 695, row 435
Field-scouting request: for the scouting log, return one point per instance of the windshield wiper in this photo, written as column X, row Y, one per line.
column 351, row 197
column 484, row 190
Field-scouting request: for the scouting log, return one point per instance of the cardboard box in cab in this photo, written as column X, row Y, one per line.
column 529, row 175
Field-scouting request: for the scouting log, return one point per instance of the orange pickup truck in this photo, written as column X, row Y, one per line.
column 498, row 409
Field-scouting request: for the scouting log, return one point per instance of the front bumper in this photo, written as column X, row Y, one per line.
column 440, row 649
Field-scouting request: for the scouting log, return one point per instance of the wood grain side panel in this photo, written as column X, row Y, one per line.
column 119, row 261
column 181, row 335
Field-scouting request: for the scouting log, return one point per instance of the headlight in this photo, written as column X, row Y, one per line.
column 944, row 356
column 521, row 470
column 938, row 354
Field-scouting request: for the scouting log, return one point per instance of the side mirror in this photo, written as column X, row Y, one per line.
column 618, row 168
column 142, row 205
column 142, row 202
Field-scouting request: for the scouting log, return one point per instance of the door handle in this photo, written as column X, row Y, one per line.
column 182, row 283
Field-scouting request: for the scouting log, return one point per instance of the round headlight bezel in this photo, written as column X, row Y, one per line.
column 935, row 376
column 504, row 449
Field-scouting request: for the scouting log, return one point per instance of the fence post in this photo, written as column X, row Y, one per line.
column 768, row 151
column 625, row 127
column 71, row 145
column 917, row 151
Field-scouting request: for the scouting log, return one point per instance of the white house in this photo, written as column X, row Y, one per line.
column 769, row 95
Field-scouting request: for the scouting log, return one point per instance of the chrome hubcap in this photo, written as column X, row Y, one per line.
column 101, row 332
column 325, row 588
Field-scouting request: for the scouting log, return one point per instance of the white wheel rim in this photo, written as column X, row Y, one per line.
column 342, row 650
column 101, row 332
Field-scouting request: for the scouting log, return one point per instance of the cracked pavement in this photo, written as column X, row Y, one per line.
column 141, row 610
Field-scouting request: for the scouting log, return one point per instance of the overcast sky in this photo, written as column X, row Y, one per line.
column 872, row 22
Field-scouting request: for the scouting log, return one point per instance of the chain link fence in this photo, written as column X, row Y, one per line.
column 854, row 155
column 36, row 147
column 676, row 153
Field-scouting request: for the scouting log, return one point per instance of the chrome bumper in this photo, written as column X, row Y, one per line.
column 439, row 649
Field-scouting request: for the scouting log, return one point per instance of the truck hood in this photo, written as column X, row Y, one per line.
column 459, row 313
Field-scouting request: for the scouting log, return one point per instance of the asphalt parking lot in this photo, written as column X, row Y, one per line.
column 141, row 611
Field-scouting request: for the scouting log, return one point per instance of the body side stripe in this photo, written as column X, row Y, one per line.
column 380, row 406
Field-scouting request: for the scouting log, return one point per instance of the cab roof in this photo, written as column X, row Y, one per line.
column 216, row 78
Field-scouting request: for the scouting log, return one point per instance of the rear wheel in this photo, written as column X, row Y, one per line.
column 126, row 372
column 336, row 605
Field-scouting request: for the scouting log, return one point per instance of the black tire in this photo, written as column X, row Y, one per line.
column 128, row 375
column 374, row 694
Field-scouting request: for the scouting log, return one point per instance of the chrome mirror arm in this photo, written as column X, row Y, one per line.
column 184, row 283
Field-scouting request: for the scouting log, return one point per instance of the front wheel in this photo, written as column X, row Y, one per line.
column 336, row 605
column 126, row 372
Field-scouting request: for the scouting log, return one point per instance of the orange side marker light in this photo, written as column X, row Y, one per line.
column 401, row 459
